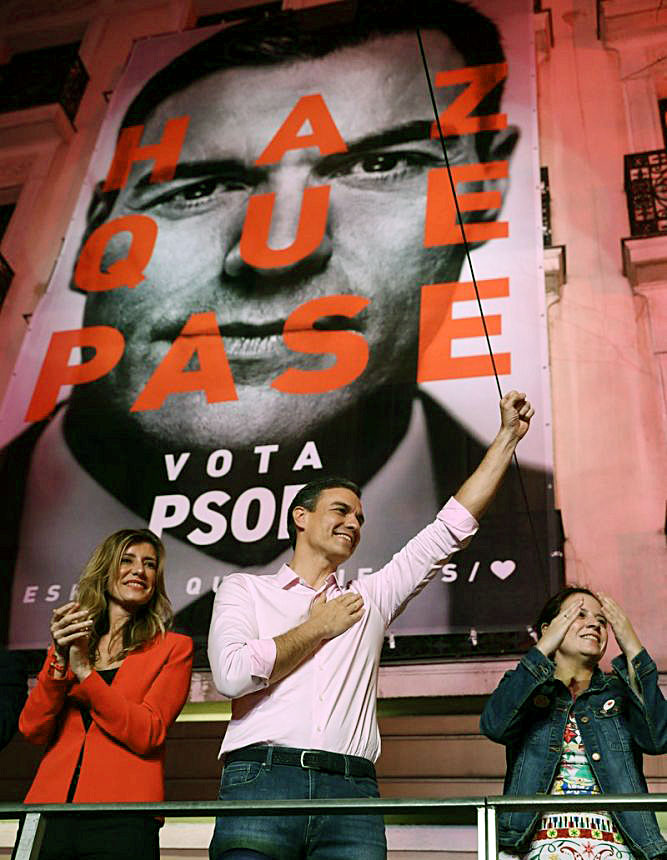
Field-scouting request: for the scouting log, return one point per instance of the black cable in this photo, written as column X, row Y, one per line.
column 477, row 295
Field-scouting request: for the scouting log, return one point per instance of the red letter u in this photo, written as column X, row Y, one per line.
column 254, row 245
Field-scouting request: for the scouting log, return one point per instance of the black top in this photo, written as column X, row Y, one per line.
column 106, row 675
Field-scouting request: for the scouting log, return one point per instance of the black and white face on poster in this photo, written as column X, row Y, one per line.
column 264, row 281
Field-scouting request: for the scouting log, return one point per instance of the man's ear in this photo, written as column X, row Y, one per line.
column 299, row 516
column 502, row 146
column 503, row 143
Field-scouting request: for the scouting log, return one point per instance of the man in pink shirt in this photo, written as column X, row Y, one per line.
column 298, row 652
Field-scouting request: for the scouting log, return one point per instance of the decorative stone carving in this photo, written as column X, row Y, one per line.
column 625, row 19
column 34, row 126
column 544, row 36
column 555, row 270
column 645, row 260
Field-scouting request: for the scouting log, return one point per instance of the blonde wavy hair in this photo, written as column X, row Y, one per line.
column 151, row 620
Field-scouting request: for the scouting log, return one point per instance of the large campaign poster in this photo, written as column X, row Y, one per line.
column 263, row 282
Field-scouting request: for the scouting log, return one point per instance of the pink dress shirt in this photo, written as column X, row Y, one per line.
column 329, row 701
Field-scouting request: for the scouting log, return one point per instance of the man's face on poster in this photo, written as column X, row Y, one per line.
column 373, row 244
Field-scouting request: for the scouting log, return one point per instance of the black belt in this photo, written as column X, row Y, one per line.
column 330, row 762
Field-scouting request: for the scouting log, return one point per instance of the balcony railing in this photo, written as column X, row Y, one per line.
column 452, row 811
column 47, row 76
column 646, row 192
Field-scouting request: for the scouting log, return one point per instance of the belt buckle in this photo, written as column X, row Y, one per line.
column 304, row 764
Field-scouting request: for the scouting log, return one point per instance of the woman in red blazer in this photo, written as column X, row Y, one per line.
column 113, row 682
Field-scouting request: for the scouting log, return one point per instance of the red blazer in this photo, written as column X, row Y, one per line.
column 123, row 750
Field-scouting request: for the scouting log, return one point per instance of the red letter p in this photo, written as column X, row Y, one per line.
column 108, row 344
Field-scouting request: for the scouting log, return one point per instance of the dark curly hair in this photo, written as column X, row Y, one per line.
column 553, row 605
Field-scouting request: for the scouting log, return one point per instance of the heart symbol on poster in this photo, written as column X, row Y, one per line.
column 503, row 569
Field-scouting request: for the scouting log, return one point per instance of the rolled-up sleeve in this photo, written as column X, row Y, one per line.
column 420, row 559
column 241, row 662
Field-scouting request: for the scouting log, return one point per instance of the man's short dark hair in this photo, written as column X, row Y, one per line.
column 308, row 497
column 279, row 38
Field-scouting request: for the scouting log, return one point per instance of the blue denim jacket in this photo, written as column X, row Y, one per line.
column 527, row 713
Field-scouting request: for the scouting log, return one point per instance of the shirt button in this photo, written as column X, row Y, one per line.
column 584, row 720
column 319, row 729
column 596, row 756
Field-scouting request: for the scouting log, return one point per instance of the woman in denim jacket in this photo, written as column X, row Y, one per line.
column 570, row 729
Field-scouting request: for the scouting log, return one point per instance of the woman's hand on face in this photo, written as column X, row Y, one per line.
column 557, row 628
column 627, row 639
column 70, row 629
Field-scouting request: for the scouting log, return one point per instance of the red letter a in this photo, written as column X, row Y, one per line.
column 324, row 135
column 200, row 335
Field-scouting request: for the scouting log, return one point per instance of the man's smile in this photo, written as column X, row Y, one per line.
column 250, row 338
column 347, row 538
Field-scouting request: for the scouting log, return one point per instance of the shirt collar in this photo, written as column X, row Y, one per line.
column 287, row 578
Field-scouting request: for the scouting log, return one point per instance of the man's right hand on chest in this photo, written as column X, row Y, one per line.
column 333, row 617
column 326, row 620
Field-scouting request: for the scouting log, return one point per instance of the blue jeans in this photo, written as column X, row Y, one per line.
column 293, row 837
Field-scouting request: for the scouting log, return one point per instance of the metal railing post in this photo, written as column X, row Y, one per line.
column 450, row 811
column 32, row 834
column 491, row 832
column 481, row 832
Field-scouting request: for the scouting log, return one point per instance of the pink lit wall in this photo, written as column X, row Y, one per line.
column 608, row 331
